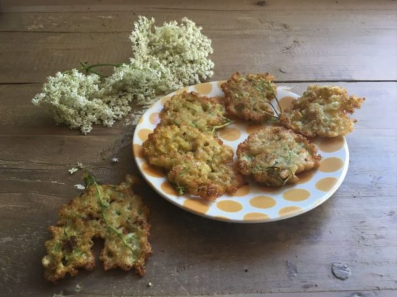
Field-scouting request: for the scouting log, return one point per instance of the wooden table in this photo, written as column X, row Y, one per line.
column 350, row 43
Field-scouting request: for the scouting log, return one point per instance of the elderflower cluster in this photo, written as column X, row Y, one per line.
column 182, row 49
column 165, row 58
column 75, row 99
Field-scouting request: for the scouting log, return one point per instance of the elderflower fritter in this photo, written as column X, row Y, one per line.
column 74, row 99
column 183, row 49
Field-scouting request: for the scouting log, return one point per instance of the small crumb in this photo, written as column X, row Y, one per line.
column 282, row 70
column 73, row 170
column 78, row 288
column 80, row 165
column 245, row 270
column 58, row 295
column 79, row 187
column 149, row 284
column 115, row 160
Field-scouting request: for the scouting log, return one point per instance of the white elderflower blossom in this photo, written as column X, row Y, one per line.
column 165, row 58
column 183, row 49
column 73, row 170
column 74, row 99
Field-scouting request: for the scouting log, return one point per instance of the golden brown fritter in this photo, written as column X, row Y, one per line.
column 248, row 97
column 167, row 144
column 208, row 181
column 322, row 111
column 198, row 162
column 273, row 155
column 115, row 214
column 193, row 110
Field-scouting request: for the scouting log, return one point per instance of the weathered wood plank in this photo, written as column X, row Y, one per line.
column 310, row 41
column 217, row 257
column 347, row 46
column 19, row 117
column 353, row 227
column 248, row 5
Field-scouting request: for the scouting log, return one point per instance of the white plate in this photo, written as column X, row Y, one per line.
column 251, row 203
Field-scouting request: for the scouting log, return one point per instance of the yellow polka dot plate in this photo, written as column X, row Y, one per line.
column 251, row 203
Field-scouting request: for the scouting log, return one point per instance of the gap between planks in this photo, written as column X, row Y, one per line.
column 276, row 81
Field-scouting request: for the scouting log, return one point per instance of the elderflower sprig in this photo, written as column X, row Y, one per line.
column 165, row 58
column 183, row 49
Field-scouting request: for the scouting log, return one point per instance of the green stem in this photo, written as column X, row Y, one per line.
column 103, row 207
column 221, row 126
column 88, row 68
column 275, row 97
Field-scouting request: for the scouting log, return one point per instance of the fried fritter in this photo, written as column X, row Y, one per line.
column 167, row 144
column 322, row 111
column 115, row 214
column 198, row 162
column 190, row 109
column 208, row 181
column 248, row 97
column 273, row 155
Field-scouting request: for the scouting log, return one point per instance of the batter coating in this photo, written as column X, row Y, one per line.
column 208, row 181
column 193, row 110
column 197, row 163
column 115, row 214
column 248, row 97
column 168, row 144
column 273, row 156
column 322, row 111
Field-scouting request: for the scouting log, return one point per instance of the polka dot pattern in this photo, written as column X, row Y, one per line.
column 263, row 202
column 151, row 170
column 255, row 216
column 289, row 210
column 230, row 134
column 330, row 145
column 144, row 133
column 229, row 206
column 330, row 164
column 167, row 188
column 296, row 195
column 154, row 118
column 203, row 89
column 138, row 151
column 326, row 184
column 252, row 202
column 286, row 103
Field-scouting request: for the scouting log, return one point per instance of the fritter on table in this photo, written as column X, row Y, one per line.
column 115, row 214
column 168, row 144
column 322, row 111
column 273, row 156
column 193, row 110
column 208, row 181
column 249, row 96
column 197, row 163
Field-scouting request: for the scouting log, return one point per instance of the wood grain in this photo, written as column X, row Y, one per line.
column 347, row 46
column 348, row 43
